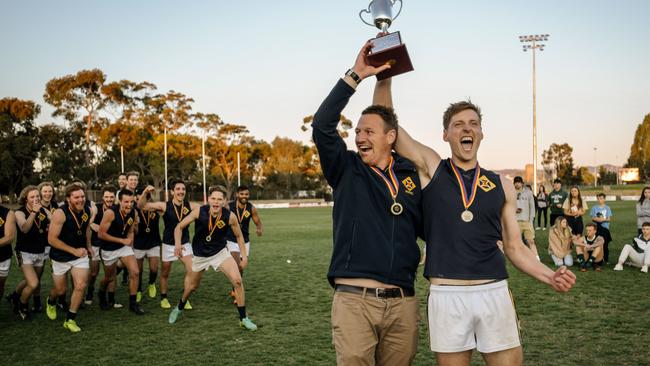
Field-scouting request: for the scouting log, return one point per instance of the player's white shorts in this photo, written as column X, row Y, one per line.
column 36, row 260
column 201, row 263
column 168, row 252
column 4, row 267
column 61, row 268
column 46, row 255
column 96, row 254
column 234, row 247
column 462, row 318
column 141, row 253
column 110, row 257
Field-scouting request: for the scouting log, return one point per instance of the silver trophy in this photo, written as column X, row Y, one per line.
column 382, row 13
column 388, row 47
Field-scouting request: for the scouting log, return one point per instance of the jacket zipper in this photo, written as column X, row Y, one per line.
column 347, row 261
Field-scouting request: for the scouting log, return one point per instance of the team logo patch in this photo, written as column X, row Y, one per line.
column 185, row 210
column 485, row 184
column 2, row 222
column 130, row 221
column 409, row 184
column 84, row 217
column 41, row 217
column 220, row 224
column 246, row 214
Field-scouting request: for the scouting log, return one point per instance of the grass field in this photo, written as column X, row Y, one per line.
column 605, row 320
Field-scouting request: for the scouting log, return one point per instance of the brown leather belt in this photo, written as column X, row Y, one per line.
column 381, row 293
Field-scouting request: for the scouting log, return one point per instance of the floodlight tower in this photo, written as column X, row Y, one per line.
column 533, row 43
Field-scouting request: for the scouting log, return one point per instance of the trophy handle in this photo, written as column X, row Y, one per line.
column 401, row 5
column 368, row 11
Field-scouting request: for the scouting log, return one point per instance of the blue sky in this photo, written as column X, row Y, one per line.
column 267, row 64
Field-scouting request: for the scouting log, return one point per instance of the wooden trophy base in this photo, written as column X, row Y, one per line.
column 390, row 49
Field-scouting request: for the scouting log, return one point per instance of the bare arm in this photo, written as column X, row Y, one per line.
column 523, row 258
column 144, row 204
column 425, row 159
column 103, row 234
column 58, row 218
column 257, row 221
column 25, row 223
column 10, row 230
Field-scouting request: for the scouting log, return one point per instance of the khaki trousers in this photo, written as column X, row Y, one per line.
column 370, row 331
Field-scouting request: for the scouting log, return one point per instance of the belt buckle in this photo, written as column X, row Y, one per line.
column 380, row 293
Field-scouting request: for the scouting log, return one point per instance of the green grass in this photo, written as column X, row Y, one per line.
column 603, row 321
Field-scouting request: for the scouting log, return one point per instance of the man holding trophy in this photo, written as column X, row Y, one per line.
column 376, row 222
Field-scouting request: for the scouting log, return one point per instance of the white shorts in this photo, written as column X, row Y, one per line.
column 202, row 263
column 141, row 253
column 462, row 318
column 46, row 255
column 96, row 255
column 168, row 252
column 61, row 268
column 4, row 267
column 110, row 257
column 36, row 260
column 234, row 247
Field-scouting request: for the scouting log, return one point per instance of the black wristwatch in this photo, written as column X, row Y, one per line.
column 357, row 79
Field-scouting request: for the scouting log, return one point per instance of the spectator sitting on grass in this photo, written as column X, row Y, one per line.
column 638, row 252
column 591, row 247
column 560, row 243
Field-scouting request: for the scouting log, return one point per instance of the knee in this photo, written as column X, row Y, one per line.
column 32, row 284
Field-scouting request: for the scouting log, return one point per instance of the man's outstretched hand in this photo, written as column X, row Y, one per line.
column 362, row 67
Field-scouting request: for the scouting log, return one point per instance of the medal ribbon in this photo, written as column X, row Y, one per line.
column 467, row 201
column 145, row 218
column 124, row 223
column 240, row 218
column 37, row 222
column 75, row 218
column 212, row 227
column 392, row 184
column 179, row 216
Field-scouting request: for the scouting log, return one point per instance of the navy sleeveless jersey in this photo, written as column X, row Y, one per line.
column 119, row 228
column 244, row 217
column 98, row 219
column 73, row 233
column 458, row 249
column 202, row 247
column 5, row 250
column 35, row 240
column 172, row 216
column 148, row 235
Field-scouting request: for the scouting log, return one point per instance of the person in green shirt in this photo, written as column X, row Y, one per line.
column 555, row 200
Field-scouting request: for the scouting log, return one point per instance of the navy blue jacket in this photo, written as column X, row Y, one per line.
column 369, row 242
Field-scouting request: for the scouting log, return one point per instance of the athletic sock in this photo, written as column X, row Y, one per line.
column 51, row 301
column 24, row 306
column 163, row 296
column 242, row 312
column 70, row 315
column 111, row 298
column 152, row 277
column 37, row 301
column 581, row 258
column 181, row 304
column 132, row 299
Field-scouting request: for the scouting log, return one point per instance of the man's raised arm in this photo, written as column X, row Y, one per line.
column 331, row 147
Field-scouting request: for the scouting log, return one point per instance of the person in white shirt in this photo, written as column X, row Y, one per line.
column 638, row 253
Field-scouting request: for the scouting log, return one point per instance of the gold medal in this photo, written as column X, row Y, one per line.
column 147, row 230
column 41, row 231
column 467, row 216
column 468, row 197
column 208, row 238
column 212, row 226
column 77, row 221
column 393, row 186
column 396, row 209
column 79, row 232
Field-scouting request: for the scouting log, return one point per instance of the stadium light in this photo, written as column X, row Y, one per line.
column 532, row 42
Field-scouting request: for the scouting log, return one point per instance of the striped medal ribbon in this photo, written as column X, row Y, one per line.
column 468, row 199
column 393, row 186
